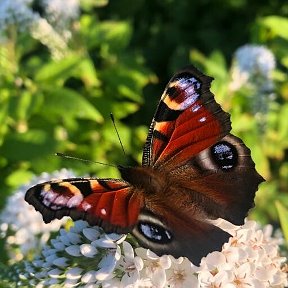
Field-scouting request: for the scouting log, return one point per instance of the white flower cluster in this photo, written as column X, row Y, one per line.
column 23, row 227
column 253, row 65
column 252, row 68
column 250, row 259
column 83, row 255
column 87, row 257
column 16, row 12
column 61, row 12
column 52, row 29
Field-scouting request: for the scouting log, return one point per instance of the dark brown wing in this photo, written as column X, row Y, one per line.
column 178, row 234
column 224, row 178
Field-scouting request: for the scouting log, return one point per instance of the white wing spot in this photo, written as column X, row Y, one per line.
column 103, row 211
column 75, row 201
column 86, row 206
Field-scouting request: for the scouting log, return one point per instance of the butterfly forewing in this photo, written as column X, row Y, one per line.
column 187, row 120
column 108, row 203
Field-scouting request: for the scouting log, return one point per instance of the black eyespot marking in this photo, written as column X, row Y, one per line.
column 154, row 232
column 171, row 92
column 225, row 155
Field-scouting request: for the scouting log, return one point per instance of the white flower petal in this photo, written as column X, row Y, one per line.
column 65, row 240
column 159, row 278
column 88, row 250
column 61, row 262
column 79, row 225
column 165, row 261
column 117, row 238
column 74, row 273
column 108, row 263
column 139, row 264
column 69, row 283
column 215, row 259
column 73, row 250
column 74, row 238
column 57, row 244
column 55, row 273
column 91, row 233
column 89, row 277
column 128, row 250
column 104, row 243
column 151, row 255
column 51, row 258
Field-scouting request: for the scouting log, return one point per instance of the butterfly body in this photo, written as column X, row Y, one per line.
column 193, row 171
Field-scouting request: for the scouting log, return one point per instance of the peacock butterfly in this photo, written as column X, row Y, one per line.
column 193, row 171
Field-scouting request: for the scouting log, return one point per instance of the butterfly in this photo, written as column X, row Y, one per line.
column 193, row 171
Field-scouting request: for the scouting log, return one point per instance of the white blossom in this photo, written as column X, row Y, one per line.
column 53, row 28
column 155, row 267
column 252, row 63
column 79, row 247
column 182, row 274
column 24, row 227
column 252, row 69
column 16, row 12
column 131, row 266
column 245, row 260
column 249, row 259
column 61, row 12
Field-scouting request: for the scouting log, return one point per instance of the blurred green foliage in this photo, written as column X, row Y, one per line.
column 121, row 55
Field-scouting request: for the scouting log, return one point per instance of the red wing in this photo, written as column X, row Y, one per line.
column 111, row 204
column 187, row 120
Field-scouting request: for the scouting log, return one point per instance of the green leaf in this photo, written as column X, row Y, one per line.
column 58, row 70
column 111, row 35
column 278, row 25
column 64, row 102
column 27, row 146
column 283, row 128
column 18, row 176
column 119, row 109
column 283, row 216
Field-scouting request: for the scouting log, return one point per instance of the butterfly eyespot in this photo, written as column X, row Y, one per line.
column 224, row 155
column 154, row 232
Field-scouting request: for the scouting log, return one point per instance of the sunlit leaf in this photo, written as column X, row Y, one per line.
column 283, row 216
column 64, row 102
column 27, row 146
column 277, row 24
column 55, row 71
column 18, row 176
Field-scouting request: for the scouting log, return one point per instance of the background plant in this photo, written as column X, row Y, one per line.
column 61, row 79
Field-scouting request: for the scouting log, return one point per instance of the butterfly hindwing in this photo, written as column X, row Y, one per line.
column 224, row 178
column 168, row 233
column 102, row 202
column 187, row 121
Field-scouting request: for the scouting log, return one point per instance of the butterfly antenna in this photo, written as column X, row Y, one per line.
column 83, row 160
column 113, row 121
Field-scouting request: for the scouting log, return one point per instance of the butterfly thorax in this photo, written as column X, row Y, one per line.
column 145, row 178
